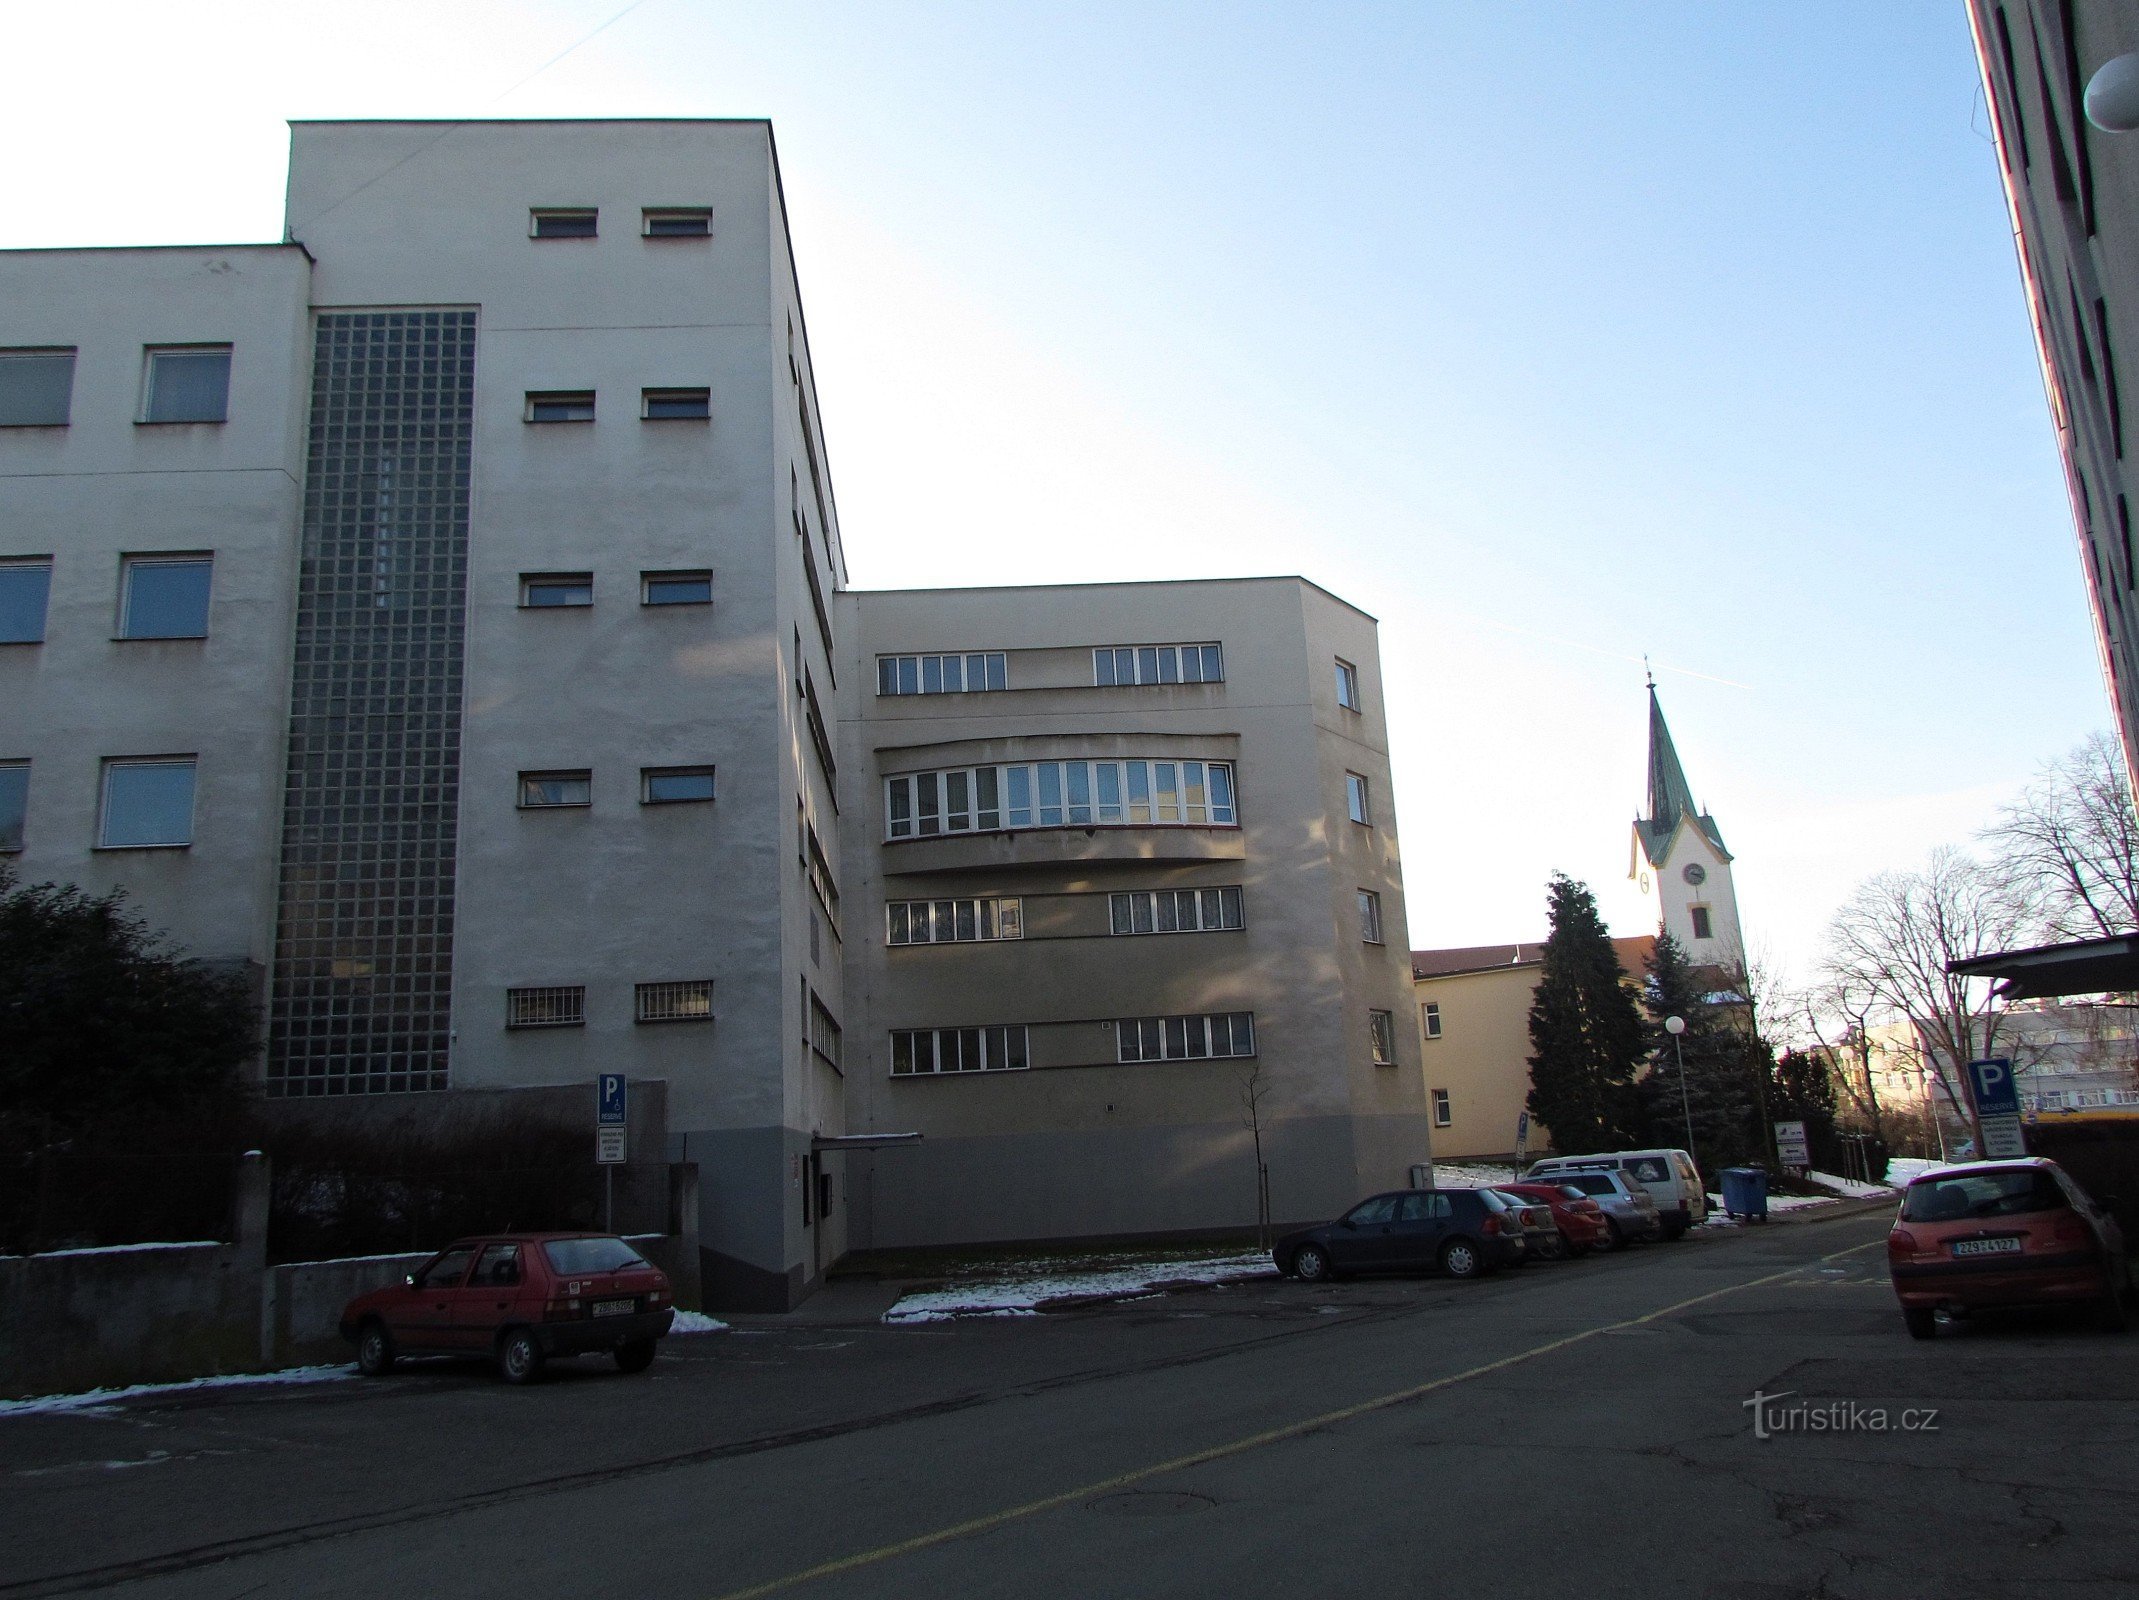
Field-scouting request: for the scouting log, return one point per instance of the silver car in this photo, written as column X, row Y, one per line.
column 1524, row 1218
column 1629, row 1209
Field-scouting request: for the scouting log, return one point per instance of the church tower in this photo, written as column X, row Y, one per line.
column 1680, row 864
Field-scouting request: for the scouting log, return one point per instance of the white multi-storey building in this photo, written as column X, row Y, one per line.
column 444, row 614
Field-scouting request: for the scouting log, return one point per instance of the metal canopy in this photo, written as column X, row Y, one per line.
column 2086, row 966
column 860, row 1141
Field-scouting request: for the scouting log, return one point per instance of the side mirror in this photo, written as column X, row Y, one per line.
column 408, row 1281
column 1347, row 1222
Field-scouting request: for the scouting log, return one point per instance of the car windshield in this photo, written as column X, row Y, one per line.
column 1591, row 1183
column 1964, row 1196
column 579, row 1257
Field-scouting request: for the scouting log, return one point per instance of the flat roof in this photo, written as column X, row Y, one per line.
column 1125, row 583
column 105, row 249
column 495, row 122
column 2041, row 972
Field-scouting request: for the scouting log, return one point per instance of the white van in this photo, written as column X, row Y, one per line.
column 1669, row 1176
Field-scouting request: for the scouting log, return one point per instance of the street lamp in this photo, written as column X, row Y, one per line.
column 1676, row 1026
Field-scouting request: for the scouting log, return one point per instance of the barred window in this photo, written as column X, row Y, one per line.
column 1229, row 1033
column 1369, row 916
column 926, row 1052
column 1175, row 910
column 825, row 1036
column 554, row 1006
column 1060, row 794
column 972, row 673
column 954, row 921
column 1381, row 1028
column 688, row 1001
column 1116, row 665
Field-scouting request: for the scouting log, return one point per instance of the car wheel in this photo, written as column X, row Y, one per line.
column 1922, row 1324
column 1615, row 1237
column 374, row 1350
column 520, row 1357
column 1462, row 1259
column 1310, row 1264
column 635, row 1355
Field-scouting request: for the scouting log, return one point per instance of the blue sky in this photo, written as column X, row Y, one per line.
column 1552, row 335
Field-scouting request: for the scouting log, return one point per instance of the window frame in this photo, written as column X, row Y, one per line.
column 644, row 1011
column 1154, row 660
column 1038, row 796
column 1132, row 1033
column 1381, row 1036
column 1430, row 1019
column 572, row 998
column 1703, row 920
column 112, row 765
column 649, row 577
column 1358, row 799
column 1444, row 1111
column 537, row 399
column 42, row 564
column 532, row 581
column 30, row 353
column 894, row 671
column 986, row 1039
column 1158, row 906
column 992, row 911
column 538, row 215
column 151, row 353
column 13, row 843
column 534, row 775
column 1369, row 903
column 1347, row 685
column 700, row 397
column 648, row 776
column 648, row 215
column 136, row 562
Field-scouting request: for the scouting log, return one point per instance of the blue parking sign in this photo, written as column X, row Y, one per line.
column 609, row 1107
column 1992, row 1086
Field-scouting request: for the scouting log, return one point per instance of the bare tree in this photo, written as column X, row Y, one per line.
column 1892, row 941
column 1836, row 1015
column 1253, row 1091
column 2073, row 833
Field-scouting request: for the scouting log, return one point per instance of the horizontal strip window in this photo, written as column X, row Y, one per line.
column 954, row 921
column 676, row 405
column 1060, row 794
column 541, row 791
column 560, row 405
column 688, row 1001
column 677, row 222
column 562, row 222
column 672, row 786
column 1157, row 663
column 928, row 1052
column 972, row 673
column 545, row 590
column 1175, row 911
column 1227, row 1033
column 554, row 1006
column 676, row 588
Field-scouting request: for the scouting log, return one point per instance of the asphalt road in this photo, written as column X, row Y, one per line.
column 1578, row 1429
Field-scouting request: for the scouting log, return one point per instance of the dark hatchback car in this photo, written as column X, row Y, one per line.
column 1455, row 1230
column 518, row 1298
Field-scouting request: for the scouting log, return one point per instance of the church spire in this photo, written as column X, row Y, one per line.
column 1669, row 796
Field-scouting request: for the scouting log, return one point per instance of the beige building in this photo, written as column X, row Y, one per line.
column 1474, row 1026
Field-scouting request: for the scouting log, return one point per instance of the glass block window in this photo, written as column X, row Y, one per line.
column 25, row 588
column 1230, row 1033
column 677, row 222
column 1381, row 1031
column 1060, row 794
column 971, row 673
column 676, row 405
column 543, row 790
column 676, row 588
column 147, row 804
column 165, row 597
column 1175, row 911
column 1347, row 685
column 953, row 921
column 36, row 388
column 543, row 590
column 1355, row 799
column 560, row 405
column 187, row 384
column 551, row 1006
column 1157, row 663
column 668, row 786
column 1369, row 917
column 928, row 1052
column 14, row 802
column 562, row 222
column 688, row 1001
column 365, row 922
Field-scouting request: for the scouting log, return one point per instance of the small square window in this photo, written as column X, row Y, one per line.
column 1355, row 799
column 1347, row 686
column 668, row 786
column 676, row 588
column 676, row 405
column 541, row 591
column 147, row 804
column 689, row 1001
column 14, row 802
column 1381, row 1028
column 25, row 586
column 1441, row 1115
column 165, row 597
column 187, row 384
column 677, row 222
column 545, row 790
column 562, row 222
column 36, row 388
column 560, row 405
column 562, row 1005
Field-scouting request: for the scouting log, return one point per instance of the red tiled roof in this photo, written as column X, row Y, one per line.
column 1633, row 955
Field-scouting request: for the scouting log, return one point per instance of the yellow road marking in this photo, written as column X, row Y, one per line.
column 1291, row 1430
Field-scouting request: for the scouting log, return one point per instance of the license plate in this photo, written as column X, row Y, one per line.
column 1986, row 1247
column 612, row 1308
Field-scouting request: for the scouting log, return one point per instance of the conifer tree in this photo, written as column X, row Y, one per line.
column 1585, row 1031
column 1721, row 1060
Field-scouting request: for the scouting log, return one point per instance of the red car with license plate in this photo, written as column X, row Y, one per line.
column 2004, row 1233
column 518, row 1298
column 1580, row 1219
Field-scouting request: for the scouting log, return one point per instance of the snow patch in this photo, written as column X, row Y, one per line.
column 1776, row 1202
column 1463, row 1175
column 96, row 1399
column 696, row 1322
column 1848, row 1188
column 1010, row 1294
column 1900, row 1170
column 122, row 1249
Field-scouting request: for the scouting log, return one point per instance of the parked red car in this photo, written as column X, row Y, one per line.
column 1579, row 1218
column 519, row 1298
column 2004, row 1233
